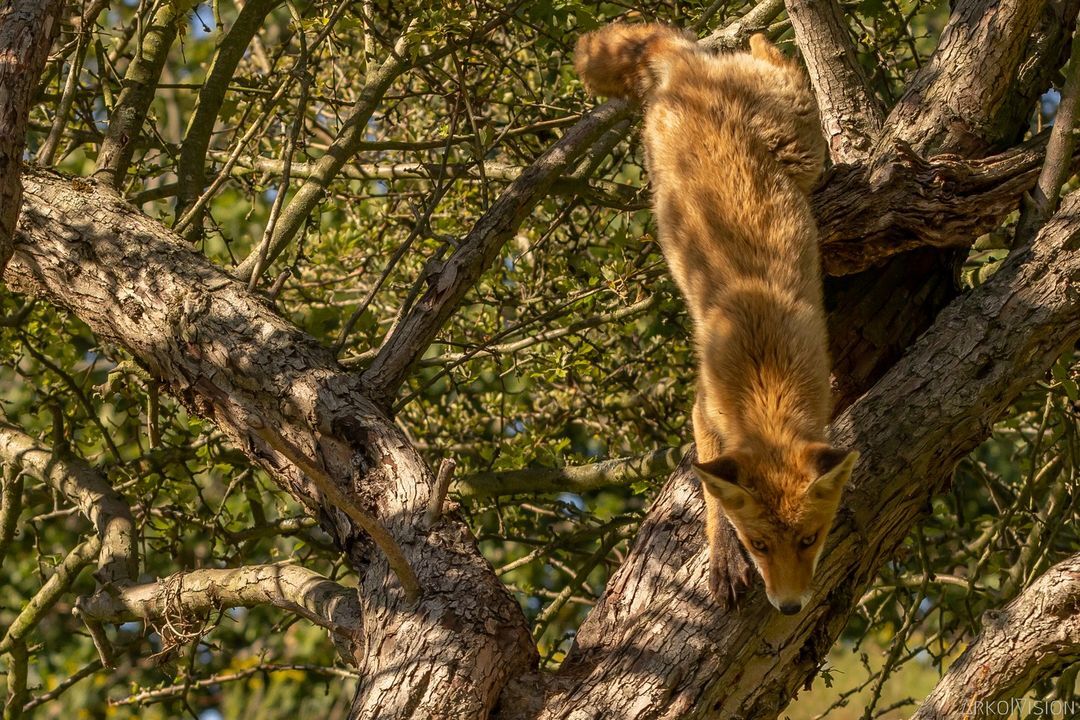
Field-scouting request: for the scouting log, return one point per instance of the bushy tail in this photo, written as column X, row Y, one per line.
column 627, row 61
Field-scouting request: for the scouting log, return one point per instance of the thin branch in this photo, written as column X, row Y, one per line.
column 86, row 24
column 344, row 147
column 438, row 493
column 605, row 192
column 140, row 83
column 84, row 672
column 193, row 214
column 51, row 591
column 87, row 490
column 157, row 694
column 380, row 535
column 574, row 479
column 1058, row 165
column 288, row 152
column 191, row 165
column 446, row 288
column 199, row 592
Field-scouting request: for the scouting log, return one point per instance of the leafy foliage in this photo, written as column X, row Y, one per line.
column 573, row 348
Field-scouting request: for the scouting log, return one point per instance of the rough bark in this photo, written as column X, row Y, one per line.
column 27, row 29
column 1032, row 638
column 935, row 111
column 955, row 104
column 656, row 622
column 230, row 358
column 851, row 115
column 945, row 201
column 654, row 647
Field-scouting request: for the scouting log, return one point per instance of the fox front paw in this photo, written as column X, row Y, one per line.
column 729, row 569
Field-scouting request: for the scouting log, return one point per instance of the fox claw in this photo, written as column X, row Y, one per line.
column 729, row 569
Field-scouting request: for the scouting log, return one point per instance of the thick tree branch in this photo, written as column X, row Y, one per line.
column 657, row 620
column 956, row 102
column 945, row 201
column 880, row 311
column 229, row 357
column 851, row 115
column 1031, row 639
column 27, row 29
column 87, row 490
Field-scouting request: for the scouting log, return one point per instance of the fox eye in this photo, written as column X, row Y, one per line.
column 759, row 546
column 808, row 540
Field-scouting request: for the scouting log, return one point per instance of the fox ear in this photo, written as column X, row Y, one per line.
column 721, row 478
column 833, row 466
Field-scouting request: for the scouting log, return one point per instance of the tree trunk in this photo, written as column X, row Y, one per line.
column 27, row 29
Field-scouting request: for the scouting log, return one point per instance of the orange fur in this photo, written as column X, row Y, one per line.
column 734, row 146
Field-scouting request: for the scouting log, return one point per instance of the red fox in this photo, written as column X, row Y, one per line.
column 734, row 146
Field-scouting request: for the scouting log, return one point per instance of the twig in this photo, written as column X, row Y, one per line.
column 326, row 485
column 58, row 583
column 1043, row 200
column 148, row 696
column 578, row 479
column 84, row 672
column 438, row 492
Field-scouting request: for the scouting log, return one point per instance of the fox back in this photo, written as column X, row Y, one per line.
column 734, row 146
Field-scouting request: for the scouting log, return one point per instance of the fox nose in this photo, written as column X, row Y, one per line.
column 790, row 608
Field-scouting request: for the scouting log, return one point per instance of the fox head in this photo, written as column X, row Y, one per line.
column 781, row 512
